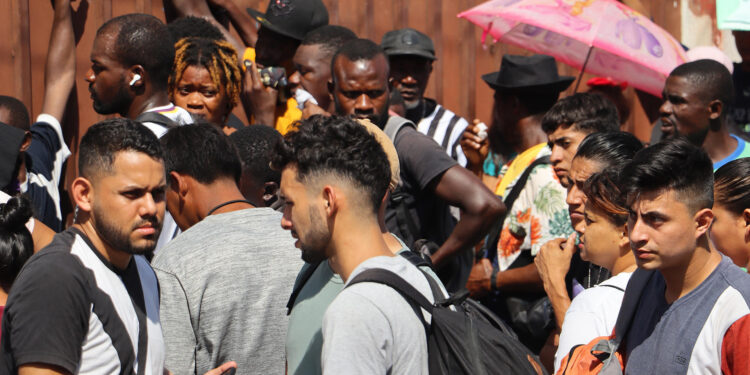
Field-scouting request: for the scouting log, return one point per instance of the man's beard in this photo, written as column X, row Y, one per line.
column 317, row 239
column 120, row 240
column 119, row 104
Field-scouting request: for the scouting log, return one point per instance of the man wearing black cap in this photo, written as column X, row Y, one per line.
column 272, row 39
column 284, row 24
column 410, row 54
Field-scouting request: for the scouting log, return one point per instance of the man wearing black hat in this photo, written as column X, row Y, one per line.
column 526, row 87
column 410, row 54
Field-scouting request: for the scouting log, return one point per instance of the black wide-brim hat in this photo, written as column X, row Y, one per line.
column 292, row 18
column 528, row 73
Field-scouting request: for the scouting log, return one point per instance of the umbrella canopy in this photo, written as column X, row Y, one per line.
column 603, row 37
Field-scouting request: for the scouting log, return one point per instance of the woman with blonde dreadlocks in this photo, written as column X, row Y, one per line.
column 206, row 79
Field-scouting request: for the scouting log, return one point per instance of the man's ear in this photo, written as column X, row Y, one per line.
column 330, row 199
column 83, row 194
column 178, row 184
column 136, row 77
column 26, row 142
column 703, row 219
column 270, row 192
column 715, row 107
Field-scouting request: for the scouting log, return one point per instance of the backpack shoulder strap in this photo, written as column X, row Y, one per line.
column 385, row 277
column 634, row 290
column 302, row 281
column 157, row 118
column 394, row 125
column 494, row 234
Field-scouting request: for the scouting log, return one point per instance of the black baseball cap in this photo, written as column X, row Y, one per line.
column 292, row 18
column 408, row 42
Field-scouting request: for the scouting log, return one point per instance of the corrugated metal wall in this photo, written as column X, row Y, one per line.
column 25, row 26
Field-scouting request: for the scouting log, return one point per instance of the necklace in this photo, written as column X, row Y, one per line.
column 226, row 204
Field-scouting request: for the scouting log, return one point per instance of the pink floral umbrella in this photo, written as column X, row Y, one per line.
column 603, row 37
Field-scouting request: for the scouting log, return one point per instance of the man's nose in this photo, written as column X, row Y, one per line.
column 363, row 104
column 89, row 77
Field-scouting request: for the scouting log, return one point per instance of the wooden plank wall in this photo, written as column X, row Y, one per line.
column 455, row 82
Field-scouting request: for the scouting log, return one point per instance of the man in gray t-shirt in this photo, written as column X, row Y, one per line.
column 225, row 280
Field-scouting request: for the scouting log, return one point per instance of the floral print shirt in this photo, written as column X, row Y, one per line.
column 538, row 215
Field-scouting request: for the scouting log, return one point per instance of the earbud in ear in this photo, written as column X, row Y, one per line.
column 135, row 79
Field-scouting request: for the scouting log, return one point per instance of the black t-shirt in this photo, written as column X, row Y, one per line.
column 422, row 163
column 69, row 307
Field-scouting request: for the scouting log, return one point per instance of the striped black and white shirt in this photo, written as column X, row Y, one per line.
column 71, row 308
column 445, row 127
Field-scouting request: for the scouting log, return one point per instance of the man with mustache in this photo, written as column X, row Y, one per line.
column 130, row 64
column 696, row 99
column 89, row 303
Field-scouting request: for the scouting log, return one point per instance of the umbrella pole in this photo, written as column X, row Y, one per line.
column 583, row 69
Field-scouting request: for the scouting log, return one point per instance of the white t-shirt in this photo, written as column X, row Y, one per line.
column 371, row 329
column 591, row 314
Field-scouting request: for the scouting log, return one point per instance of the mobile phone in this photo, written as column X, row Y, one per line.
column 231, row 371
column 273, row 76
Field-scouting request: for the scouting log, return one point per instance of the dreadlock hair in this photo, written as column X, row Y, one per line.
column 217, row 56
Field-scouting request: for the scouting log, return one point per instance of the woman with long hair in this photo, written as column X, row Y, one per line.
column 605, row 242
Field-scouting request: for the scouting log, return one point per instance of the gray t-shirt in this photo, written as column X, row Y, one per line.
column 304, row 339
column 371, row 329
column 224, row 286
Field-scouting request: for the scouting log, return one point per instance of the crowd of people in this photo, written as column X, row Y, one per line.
column 202, row 243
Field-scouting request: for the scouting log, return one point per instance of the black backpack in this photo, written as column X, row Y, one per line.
column 467, row 340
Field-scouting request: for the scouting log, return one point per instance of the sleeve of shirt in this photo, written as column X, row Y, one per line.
column 48, row 311
column 176, row 325
column 356, row 337
column 48, row 149
column 421, row 157
column 735, row 348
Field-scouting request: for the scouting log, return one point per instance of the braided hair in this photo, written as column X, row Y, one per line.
column 216, row 56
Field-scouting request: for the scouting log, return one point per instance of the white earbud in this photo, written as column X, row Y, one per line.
column 135, row 79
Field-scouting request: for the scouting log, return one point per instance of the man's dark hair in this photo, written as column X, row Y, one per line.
column 673, row 164
column 142, row 39
column 255, row 145
column 19, row 115
column 191, row 27
column 586, row 112
column 358, row 49
column 337, row 145
column 202, row 152
column 105, row 139
column 711, row 79
column 609, row 148
column 330, row 37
